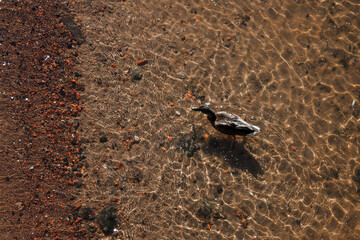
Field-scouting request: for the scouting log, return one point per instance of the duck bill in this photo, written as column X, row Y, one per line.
column 195, row 109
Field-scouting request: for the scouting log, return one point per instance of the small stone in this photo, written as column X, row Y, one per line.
column 78, row 183
column 137, row 73
column 182, row 75
column 20, row 205
column 205, row 209
column 135, row 123
column 178, row 113
column 103, row 139
column 132, row 93
column 136, row 139
column 142, row 62
column 219, row 189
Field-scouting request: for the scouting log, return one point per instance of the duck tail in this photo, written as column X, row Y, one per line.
column 256, row 130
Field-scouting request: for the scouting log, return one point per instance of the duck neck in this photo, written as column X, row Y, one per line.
column 211, row 116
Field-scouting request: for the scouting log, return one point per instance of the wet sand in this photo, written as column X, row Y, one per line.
column 155, row 168
column 291, row 68
column 38, row 106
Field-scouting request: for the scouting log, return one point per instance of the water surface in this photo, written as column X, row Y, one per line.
column 289, row 67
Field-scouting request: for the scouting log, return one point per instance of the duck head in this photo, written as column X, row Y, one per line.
column 204, row 109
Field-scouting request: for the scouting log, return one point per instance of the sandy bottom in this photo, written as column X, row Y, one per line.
column 289, row 67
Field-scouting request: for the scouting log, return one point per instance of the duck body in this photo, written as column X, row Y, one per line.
column 228, row 123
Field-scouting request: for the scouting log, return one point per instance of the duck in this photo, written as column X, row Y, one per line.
column 228, row 123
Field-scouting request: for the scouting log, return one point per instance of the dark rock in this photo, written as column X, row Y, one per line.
column 204, row 209
column 219, row 189
column 187, row 142
column 356, row 176
column 345, row 63
column 80, row 87
column 68, row 44
column 79, row 183
column 74, row 29
column 73, row 142
column 76, row 74
column 86, row 213
column 107, row 219
column 103, row 139
column 62, row 92
column 201, row 98
column 137, row 73
column 333, row 173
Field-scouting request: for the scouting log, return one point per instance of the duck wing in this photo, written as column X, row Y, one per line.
column 232, row 123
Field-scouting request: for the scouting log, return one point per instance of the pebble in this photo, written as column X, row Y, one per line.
column 181, row 75
column 79, row 183
column 135, row 123
column 219, row 189
column 136, row 73
column 136, row 139
column 178, row 113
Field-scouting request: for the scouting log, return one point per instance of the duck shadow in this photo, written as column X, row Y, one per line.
column 237, row 157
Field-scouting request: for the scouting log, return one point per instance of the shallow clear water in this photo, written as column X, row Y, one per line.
column 289, row 67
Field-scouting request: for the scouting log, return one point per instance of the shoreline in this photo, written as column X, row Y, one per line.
column 39, row 105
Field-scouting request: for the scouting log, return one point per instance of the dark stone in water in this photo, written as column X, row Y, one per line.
column 345, row 63
column 204, row 209
column 356, row 177
column 137, row 73
column 79, row 183
column 86, row 213
column 187, row 143
column 76, row 74
column 202, row 98
column 103, row 139
column 107, row 219
column 219, row 189
column 334, row 173
column 68, row 20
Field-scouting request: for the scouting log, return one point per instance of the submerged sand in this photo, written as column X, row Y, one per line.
column 289, row 67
